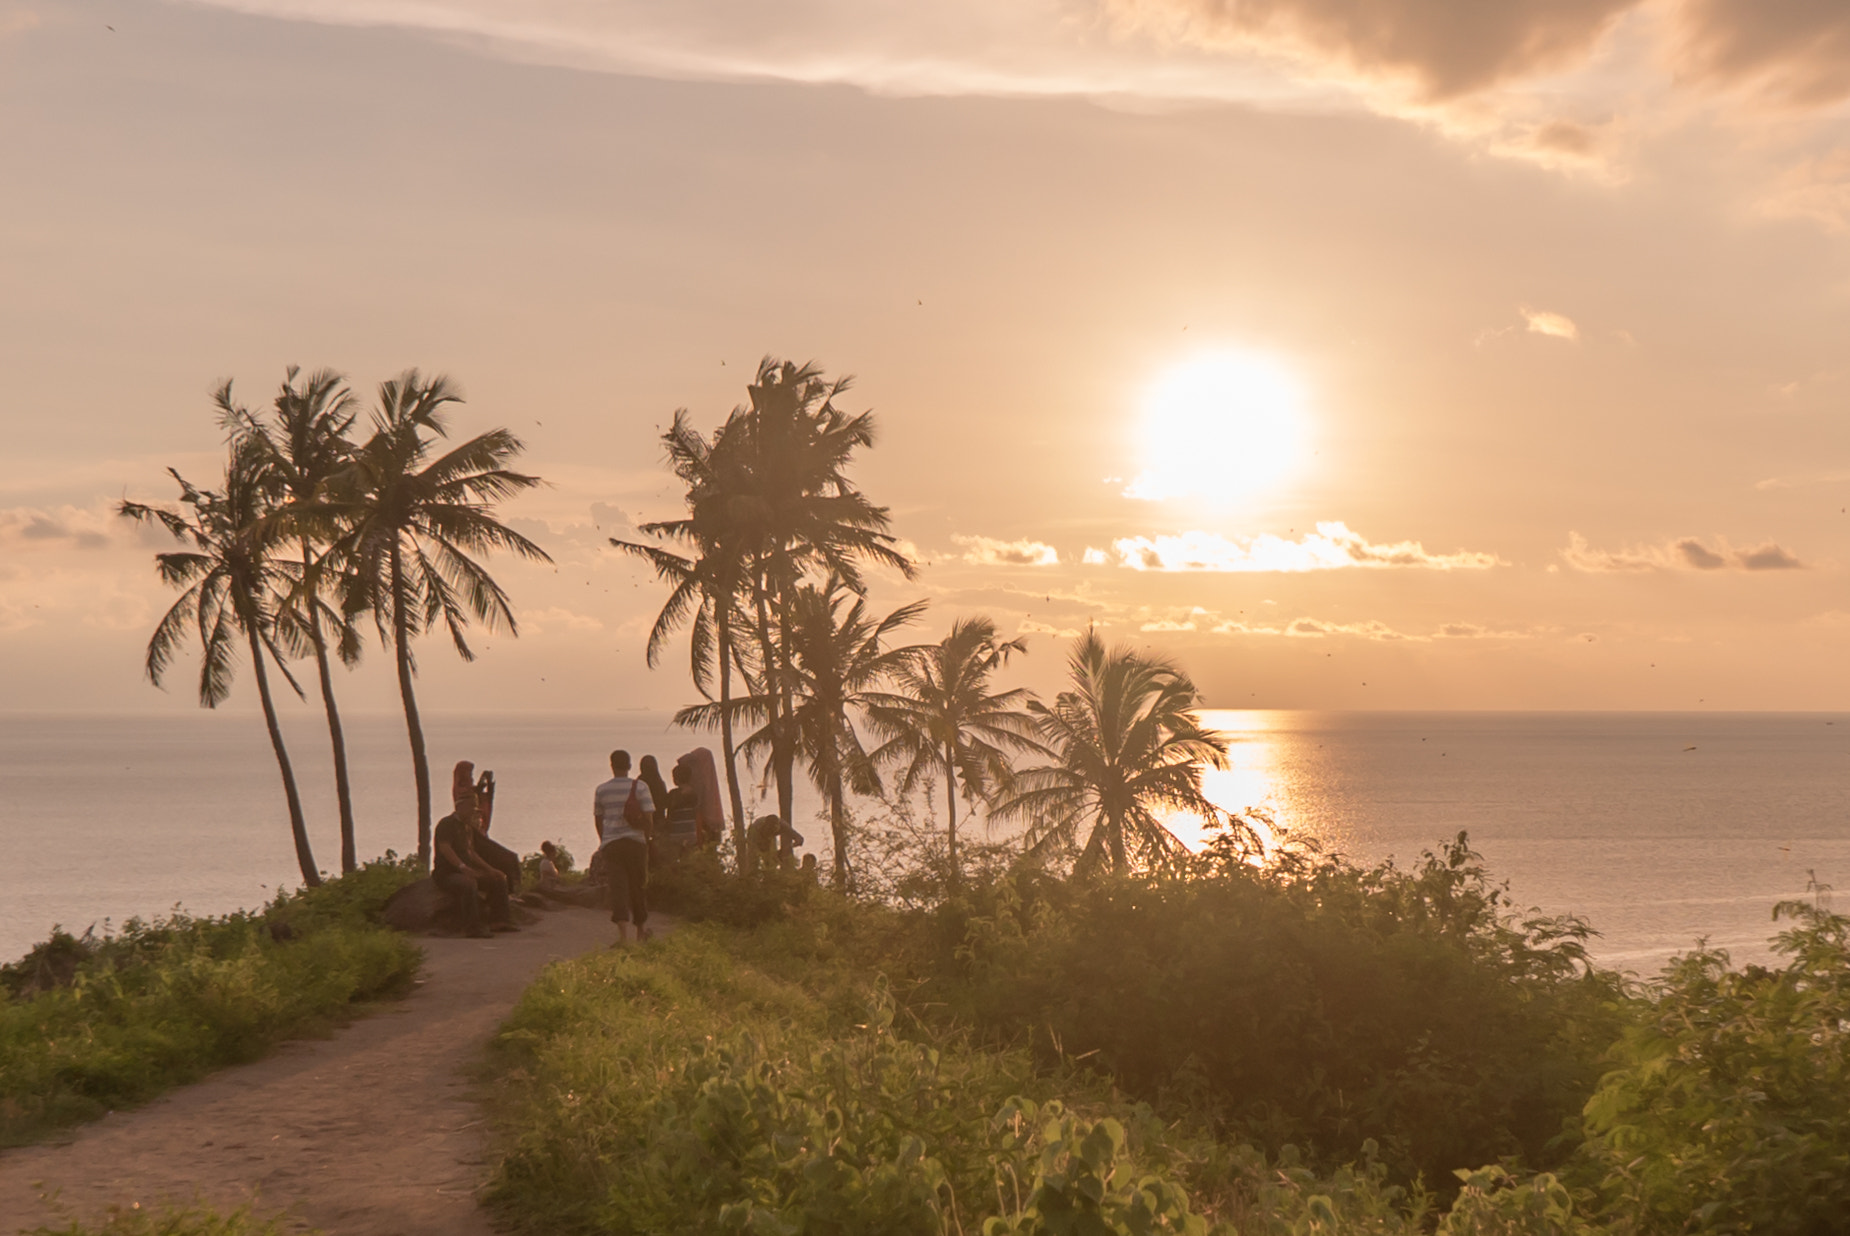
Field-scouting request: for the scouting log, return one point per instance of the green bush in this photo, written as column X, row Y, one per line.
column 160, row 1003
column 1314, row 1004
column 1728, row 1106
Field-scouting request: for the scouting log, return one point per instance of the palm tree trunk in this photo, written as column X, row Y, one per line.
column 343, row 791
column 838, row 825
column 420, row 763
column 950, row 802
column 741, row 852
column 304, row 856
column 786, row 757
column 776, row 684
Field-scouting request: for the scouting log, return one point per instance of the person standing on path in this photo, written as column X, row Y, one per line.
column 621, row 810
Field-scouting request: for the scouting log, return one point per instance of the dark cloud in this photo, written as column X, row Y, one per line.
column 1700, row 556
column 1447, row 48
column 1798, row 51
column 1565, row 137
column 1768, row 557
column 43, row 529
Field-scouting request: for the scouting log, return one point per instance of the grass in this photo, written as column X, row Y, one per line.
column 136, row 1220
column 89, row 1025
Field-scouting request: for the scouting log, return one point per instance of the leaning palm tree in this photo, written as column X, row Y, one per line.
column 1129, row 748
column 299, row 447
column 413, row 523
column 839, row 655
column 942, row 718
column 230, row 582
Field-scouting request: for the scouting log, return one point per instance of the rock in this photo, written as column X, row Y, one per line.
column 423, row 907
column 420, row 907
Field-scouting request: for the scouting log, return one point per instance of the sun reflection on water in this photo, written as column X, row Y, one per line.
column 1250, row 785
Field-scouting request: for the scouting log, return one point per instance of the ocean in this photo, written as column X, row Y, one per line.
column 1658, row 828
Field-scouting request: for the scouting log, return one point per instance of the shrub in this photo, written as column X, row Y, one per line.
column 163, row 1002
column 1728, row 1107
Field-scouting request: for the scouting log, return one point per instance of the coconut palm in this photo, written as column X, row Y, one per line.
column 704, row 592
column 838, row 656
column 231, row 583
column 298, row 448
column 942, row 717
column 782, row 497
column 1129, row 749
column 769, row 503
column 413, row 523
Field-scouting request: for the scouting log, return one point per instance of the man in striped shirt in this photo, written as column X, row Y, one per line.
column 625, row 846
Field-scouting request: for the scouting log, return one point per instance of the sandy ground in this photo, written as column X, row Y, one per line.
column 375, row 1131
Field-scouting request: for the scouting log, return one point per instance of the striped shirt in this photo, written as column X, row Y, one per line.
column 610, row 798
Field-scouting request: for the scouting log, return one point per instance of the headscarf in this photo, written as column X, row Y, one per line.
column 462, row 784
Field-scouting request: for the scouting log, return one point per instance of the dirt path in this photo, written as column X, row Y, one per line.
column 373, row 1132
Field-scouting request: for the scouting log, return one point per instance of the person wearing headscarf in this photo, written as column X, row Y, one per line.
column 466, row 787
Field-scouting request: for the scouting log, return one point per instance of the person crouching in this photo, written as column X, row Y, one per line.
column 621, row 810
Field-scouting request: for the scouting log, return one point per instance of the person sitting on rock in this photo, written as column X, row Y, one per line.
column 464, row 877
column 463, row 784
column 774, row 840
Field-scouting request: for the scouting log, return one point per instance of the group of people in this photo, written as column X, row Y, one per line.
column 637, row 818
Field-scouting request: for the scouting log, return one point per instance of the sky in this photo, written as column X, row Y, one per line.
column 1394, row 354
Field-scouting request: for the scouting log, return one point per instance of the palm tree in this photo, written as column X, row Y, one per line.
column 837, row 657
column 413, row 522
column 704, row 588
column 942, row 717
column 786, row 506
column 230, row 587
column 768, row 502
column 298, row 449
column 1128, row 748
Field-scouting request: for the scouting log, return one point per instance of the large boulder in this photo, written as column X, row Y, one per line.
column 420, row 907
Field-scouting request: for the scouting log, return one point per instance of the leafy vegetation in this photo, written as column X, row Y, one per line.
column 137, row 1220
column 90, row 1023
column 1307, row 1047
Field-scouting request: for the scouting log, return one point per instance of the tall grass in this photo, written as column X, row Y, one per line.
column 90, row 1024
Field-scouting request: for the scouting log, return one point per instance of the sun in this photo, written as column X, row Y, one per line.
column 1223, row 427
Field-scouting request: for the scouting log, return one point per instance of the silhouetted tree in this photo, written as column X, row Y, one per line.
column 413, row 523
column 1128, row 746
column 230, row 586
column 298, row 447
column 943, row 717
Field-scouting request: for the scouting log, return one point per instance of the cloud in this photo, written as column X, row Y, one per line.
column 26, row 528
column 1768, row 557
column 557, row 618
column 1471, row 630
column 1796, row 52
column 1029, row 626
column 987, row 551
column 1554, row 325
column 1817, row 189
column 1332, row 547
column 1679, row 554
column 1095, row 557
column 1800, row 482
column 1310, row 628
column 1441, row 49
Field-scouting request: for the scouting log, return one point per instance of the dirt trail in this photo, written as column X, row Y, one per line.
column 372, row 1132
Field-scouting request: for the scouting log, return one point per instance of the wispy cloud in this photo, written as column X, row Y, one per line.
column 988, row 551
column 1333, row 546
column 1679, row 554
column 1554, row 325
column 1802, row 482
column 1029, row 626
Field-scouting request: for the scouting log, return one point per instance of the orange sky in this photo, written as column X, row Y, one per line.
column 1562, row 286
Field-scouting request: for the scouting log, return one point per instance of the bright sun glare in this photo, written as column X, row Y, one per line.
column 1223, row 427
